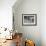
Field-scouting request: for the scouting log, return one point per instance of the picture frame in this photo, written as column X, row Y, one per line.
column 29, row 19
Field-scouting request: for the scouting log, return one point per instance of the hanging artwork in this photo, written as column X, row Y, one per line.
column 29, row 19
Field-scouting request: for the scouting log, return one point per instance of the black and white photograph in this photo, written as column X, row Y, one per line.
column 29, row 19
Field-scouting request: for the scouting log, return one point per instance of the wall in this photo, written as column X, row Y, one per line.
column 43, row 22
column 6, row 13
column 28, row 7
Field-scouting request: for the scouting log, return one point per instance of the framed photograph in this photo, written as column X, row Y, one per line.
column 29, row 19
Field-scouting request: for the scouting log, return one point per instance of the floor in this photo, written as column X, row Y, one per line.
column 9, row 43
column 16, row 41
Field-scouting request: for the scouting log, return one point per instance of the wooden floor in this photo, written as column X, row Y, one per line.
column 9, row 43
column 12, row 42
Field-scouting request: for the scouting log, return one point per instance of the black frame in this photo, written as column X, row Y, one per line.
column 35, row 15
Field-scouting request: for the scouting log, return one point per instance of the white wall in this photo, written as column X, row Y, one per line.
column 28, row 7
column 6, row 13
column 43, row 22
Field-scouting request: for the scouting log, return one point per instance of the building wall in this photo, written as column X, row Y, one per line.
column 28, row 7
